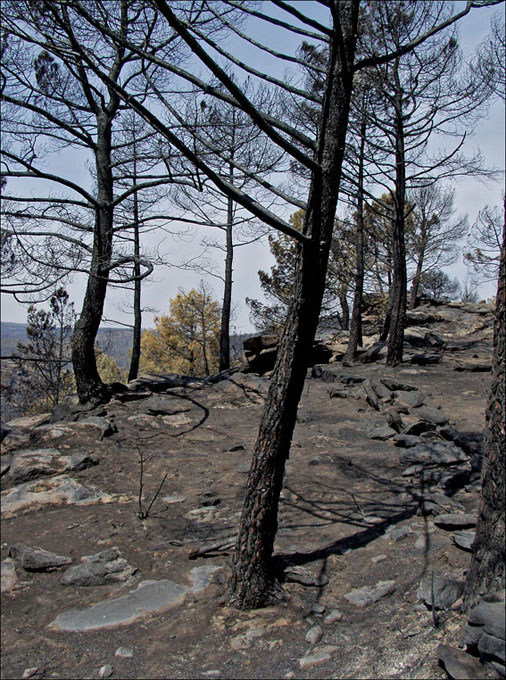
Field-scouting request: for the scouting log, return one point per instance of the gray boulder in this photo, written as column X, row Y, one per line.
column 97, row 570
column 412, row 398
column 440, row 591
column 381, row 433
column 419, row 427
column 431, row 415
column 464, row 539
column 438, row 453
column 459, row 664
column 407, row 440
column 372, row 397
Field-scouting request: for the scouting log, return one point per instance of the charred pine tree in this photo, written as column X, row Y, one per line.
column 487, row 570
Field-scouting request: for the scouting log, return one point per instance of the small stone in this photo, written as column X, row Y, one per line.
column 421, row 543
column 124, row 652
column 378, row 558
column 314, row 634
column 333, row 616
column 105, row 671
column 213, row 673
column 317, row 608
column 30, row 672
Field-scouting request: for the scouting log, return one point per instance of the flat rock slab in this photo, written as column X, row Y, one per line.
column 149, row 597
column 37, row 559
column 164, row 405
column 474, row 366
column 59, row 490
column 30, row 464
column 454, row 520
column 96, row 570
column 367, row 595
column 104, row 426
column 30, row 421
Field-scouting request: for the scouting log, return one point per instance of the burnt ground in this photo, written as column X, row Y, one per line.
column 342, row 492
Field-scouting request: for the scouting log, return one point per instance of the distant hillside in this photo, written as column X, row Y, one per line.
column 116, row 342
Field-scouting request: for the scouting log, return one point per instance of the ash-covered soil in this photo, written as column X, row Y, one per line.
column 345, row 498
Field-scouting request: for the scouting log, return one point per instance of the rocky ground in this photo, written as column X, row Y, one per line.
column 117, row 523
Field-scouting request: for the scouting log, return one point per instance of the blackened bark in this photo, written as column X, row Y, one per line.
column 254, row 582
column 89, row 385
column 227, row 293
column 136, row 341
column 355, row 338
column 398, row 293
column 487, row 571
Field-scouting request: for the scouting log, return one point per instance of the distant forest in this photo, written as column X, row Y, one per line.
column 116, row 342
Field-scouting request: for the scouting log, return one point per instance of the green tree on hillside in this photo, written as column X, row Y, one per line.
column 186, row 340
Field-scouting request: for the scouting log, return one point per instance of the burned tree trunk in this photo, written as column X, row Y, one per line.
column 136, row 340
column 398, row 293
column 89, row 385
column 355, row 338
column 487, row 571
column 254, row 582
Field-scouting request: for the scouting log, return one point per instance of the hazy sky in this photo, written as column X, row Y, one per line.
column 471, row 196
